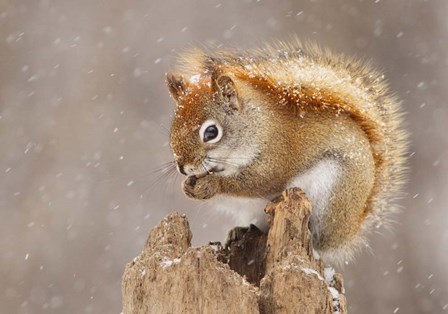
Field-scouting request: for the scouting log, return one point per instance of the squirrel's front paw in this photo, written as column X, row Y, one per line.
column 200, row 188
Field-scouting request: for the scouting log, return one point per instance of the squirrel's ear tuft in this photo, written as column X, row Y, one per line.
column 227, row 90
column 176, row 85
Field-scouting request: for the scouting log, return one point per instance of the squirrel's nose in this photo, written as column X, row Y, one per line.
column 181, row 169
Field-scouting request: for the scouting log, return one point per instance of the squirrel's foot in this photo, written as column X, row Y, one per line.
column 200, row 188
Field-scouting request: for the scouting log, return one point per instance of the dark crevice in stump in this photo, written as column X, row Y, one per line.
column 247, row 255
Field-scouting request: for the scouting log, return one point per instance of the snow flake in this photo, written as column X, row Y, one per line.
column 195, row 78
column 310, row 271
column 167, row 262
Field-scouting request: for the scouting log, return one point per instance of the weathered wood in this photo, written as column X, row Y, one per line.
column 257, row 273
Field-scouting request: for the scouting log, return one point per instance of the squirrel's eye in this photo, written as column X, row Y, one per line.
column 210, row 132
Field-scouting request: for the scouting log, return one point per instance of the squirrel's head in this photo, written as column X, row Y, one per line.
column 210, row 132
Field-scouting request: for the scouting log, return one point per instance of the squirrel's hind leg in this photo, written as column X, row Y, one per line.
column 336, row 207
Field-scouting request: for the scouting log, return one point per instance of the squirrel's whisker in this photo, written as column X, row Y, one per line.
column 223, row 161
column 164, row 175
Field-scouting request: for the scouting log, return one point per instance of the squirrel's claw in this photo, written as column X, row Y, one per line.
column 200, row 188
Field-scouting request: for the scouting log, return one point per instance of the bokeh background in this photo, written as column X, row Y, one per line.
column 84, row 119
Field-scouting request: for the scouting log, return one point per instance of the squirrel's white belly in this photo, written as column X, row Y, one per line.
column 318, row 183
column 243, row 210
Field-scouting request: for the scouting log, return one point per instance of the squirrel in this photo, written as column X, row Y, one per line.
column 252, row 123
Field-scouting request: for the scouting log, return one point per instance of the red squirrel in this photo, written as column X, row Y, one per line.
column 252, row 123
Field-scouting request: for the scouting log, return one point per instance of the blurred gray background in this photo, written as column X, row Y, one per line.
column 84, row 114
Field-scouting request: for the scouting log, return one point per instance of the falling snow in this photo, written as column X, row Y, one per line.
column 84, row 128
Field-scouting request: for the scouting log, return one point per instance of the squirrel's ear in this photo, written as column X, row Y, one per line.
column 176, row 85
column 227, row 91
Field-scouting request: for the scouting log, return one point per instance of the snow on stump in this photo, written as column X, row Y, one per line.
column 256, row 273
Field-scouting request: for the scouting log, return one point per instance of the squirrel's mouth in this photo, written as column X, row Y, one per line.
column 212, row 170
column 203, row 171
column 216, row 169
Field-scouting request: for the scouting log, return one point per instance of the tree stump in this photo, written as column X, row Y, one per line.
column 257, row 273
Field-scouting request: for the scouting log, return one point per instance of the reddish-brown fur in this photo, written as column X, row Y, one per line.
column 302, row 108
